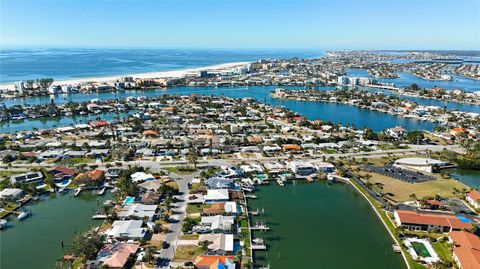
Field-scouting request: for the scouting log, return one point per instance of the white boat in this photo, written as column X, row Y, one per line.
column 23, row 215
column 77, row 191
column 3, row 224
column 109, row 203
column 101, row 192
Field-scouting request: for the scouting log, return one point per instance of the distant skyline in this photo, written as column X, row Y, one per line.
column 367, row 24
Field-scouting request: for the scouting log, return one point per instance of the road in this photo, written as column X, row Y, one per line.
column 179, row 208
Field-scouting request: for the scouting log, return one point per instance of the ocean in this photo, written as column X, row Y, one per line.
column 72, row 63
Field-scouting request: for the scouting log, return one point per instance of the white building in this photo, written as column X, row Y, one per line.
column 419, row 164
column 302, row 168
column 127, row 229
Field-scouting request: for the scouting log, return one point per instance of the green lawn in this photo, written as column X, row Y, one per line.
column 76, row 161
column 196, row 208
column 189, row 236
column 444, row 251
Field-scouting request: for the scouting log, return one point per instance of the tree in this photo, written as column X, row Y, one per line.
column 86, row 245
column 415, row 137
column 192, row 155
column 413, row 196
column 204, row 244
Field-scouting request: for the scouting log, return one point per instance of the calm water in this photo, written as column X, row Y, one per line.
column 468, row 177
column 321, row 226
column 339, row 113
column 36, row 241
column 407, row 79
column 60, row 64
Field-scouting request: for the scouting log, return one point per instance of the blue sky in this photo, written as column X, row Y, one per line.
column 367, row 24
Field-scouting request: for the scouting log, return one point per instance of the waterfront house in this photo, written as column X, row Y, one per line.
column 397, row 132
column 115, row 255
column 302, row 168
column 222, row 243
column 214, row 262
column 218, row 183
column 10, row 193
column 137, row 210
column 221, row 208
column 216, row 224
column 473, row 198
column 466, row 251
column 62, row 173
column 216, row 195
column 28, row 177
column 412, row 220
column 95, row 176
column 127, row 229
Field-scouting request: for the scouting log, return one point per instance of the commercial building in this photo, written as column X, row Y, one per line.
column 420, row 164
column 466, row 252
column 412, row 220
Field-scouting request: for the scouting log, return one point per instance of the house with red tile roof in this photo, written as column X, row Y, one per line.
column 412, row 220
column 91, row 176
column 116, row 255
column 60, row 173
column 214, row 262
column 473, row 198
column 466, row 252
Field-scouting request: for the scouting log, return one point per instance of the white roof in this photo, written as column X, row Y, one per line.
column 419, row 161
column 127, row 228
column 230, row 207
column 10, row 192
column 219, row 241
column 138, row 210
column 217, row 194
column 141, row 176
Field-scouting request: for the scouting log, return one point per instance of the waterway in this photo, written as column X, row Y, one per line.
column 36, row 241
column 470, row 178
column 406, row 79
column 338, row 113
column 319, row 225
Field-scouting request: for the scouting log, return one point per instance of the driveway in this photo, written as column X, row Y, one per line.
column 167, row 255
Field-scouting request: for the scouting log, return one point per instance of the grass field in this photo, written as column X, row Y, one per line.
column 187, row 253
column 401, row 190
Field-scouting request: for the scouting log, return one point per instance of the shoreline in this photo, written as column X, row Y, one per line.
column 155, row 74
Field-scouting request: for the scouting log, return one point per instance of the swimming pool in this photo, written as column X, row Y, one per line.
column 129, row 200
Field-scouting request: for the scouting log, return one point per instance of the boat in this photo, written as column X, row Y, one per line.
column 109, row 203
column 77, row 191
column 102, row 191
column 23, row 215
column 3, row 224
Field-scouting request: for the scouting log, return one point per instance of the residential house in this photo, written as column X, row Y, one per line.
column 216, row 195
column 140, row 211
column 214, row 262
column 216, row 224
column 220, row 243
column 473, row 198
column 127, row 229
column 466, row 251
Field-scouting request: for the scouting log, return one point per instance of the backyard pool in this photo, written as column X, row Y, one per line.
column 129, row 200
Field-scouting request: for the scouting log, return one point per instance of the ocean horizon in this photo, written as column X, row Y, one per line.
column 73, row 63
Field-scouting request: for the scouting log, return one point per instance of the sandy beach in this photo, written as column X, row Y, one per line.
column 160, row 74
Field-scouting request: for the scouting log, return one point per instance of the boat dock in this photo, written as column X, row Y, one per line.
column 260, row 227
column 257, row 244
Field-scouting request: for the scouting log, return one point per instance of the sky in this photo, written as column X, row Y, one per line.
column 248, row 24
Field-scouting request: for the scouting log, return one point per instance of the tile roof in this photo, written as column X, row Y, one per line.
column 467, row 249
column 412, row 217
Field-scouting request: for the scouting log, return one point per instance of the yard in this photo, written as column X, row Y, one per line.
column 187, row 253
column 196, row 208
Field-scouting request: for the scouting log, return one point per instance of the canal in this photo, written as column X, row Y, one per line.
column 319, row 225
column 36, row 241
